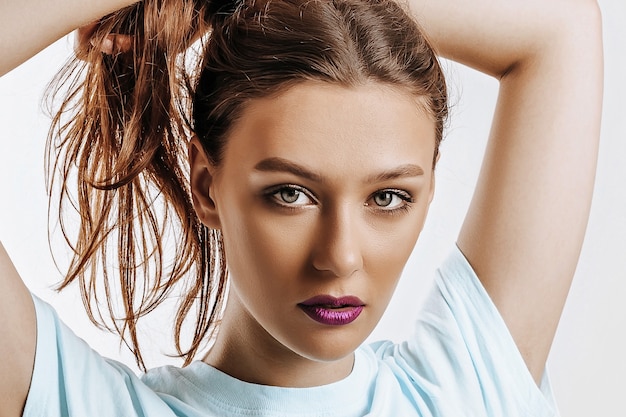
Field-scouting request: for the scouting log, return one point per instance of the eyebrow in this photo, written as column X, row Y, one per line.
column 276, row 164
column 402, row 171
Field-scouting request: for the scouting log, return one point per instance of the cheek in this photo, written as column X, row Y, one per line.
column 386, row 262
column 394, row 244
column 265, row 256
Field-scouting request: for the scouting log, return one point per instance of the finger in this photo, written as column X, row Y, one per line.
column 122, row 43
column 81, row 37
column 106, row 46
column 114, row 44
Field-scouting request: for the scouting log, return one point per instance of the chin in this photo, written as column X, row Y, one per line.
column 325, row 348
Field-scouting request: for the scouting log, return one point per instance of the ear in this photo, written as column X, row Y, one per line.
column 202, row 172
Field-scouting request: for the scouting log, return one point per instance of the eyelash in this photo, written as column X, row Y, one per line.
column 401, row 194
column 406, row 197
column 271, row 197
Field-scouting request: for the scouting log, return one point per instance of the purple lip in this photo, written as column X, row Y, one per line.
column 333, row 311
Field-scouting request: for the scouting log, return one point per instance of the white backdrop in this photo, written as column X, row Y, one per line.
column 587, row 363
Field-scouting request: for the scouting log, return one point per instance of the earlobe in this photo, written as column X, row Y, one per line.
column 201, row 172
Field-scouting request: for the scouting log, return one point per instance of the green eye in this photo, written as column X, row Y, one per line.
column 289, row 195
column 384, row 199
column 390, row 200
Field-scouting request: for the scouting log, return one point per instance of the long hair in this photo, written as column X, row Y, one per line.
column 121, row 133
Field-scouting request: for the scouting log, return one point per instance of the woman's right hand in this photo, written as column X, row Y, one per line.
column 28, row 26
column 112, row 44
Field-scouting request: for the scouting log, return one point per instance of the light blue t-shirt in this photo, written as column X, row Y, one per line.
column 461, row 361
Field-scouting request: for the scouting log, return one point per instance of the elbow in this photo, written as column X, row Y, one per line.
column 583, row 16
column 572, row 28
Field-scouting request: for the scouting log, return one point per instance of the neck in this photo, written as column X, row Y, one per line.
column 246, row 351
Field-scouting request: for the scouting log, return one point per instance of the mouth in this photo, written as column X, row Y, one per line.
column 332, row 311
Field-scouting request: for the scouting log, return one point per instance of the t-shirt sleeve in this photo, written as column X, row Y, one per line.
column 70, row 379
column 462, row 356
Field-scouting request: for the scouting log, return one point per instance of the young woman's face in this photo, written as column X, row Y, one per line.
column 320, row 196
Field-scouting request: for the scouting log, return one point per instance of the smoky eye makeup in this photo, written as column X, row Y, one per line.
column 385, row 201
column 390, row 201
column 289, row 196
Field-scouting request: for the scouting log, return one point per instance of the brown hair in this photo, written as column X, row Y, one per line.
column 130, row 115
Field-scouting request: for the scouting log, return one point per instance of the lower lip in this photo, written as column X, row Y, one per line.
column 332, row 316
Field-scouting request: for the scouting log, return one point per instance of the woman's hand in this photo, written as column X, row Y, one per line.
column 112, row 44
column 28, row 26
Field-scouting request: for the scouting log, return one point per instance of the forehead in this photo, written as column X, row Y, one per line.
column 335, row 130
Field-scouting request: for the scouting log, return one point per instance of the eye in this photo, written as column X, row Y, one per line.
column 391, row 200
column 290, row 195
column 385, row 199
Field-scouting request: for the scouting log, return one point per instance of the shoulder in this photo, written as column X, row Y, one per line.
column 177, row 381
column 461, row 352
column 70, row 378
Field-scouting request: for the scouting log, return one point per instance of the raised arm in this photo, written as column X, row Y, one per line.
column 28, row 26
column 526, row 223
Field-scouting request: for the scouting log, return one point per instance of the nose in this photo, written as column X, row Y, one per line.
column 338, row 249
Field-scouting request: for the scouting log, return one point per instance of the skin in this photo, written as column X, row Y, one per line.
column 16, row 307
column 526, row 223
column 525, row 227
column 347, row 232
column 31, row 25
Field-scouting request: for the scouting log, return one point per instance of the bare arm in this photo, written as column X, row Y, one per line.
column 28, row 26
column 526, row 223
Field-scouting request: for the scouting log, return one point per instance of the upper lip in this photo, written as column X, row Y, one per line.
column 336, row 302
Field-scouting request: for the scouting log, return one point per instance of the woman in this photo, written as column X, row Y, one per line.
column 319, row 180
